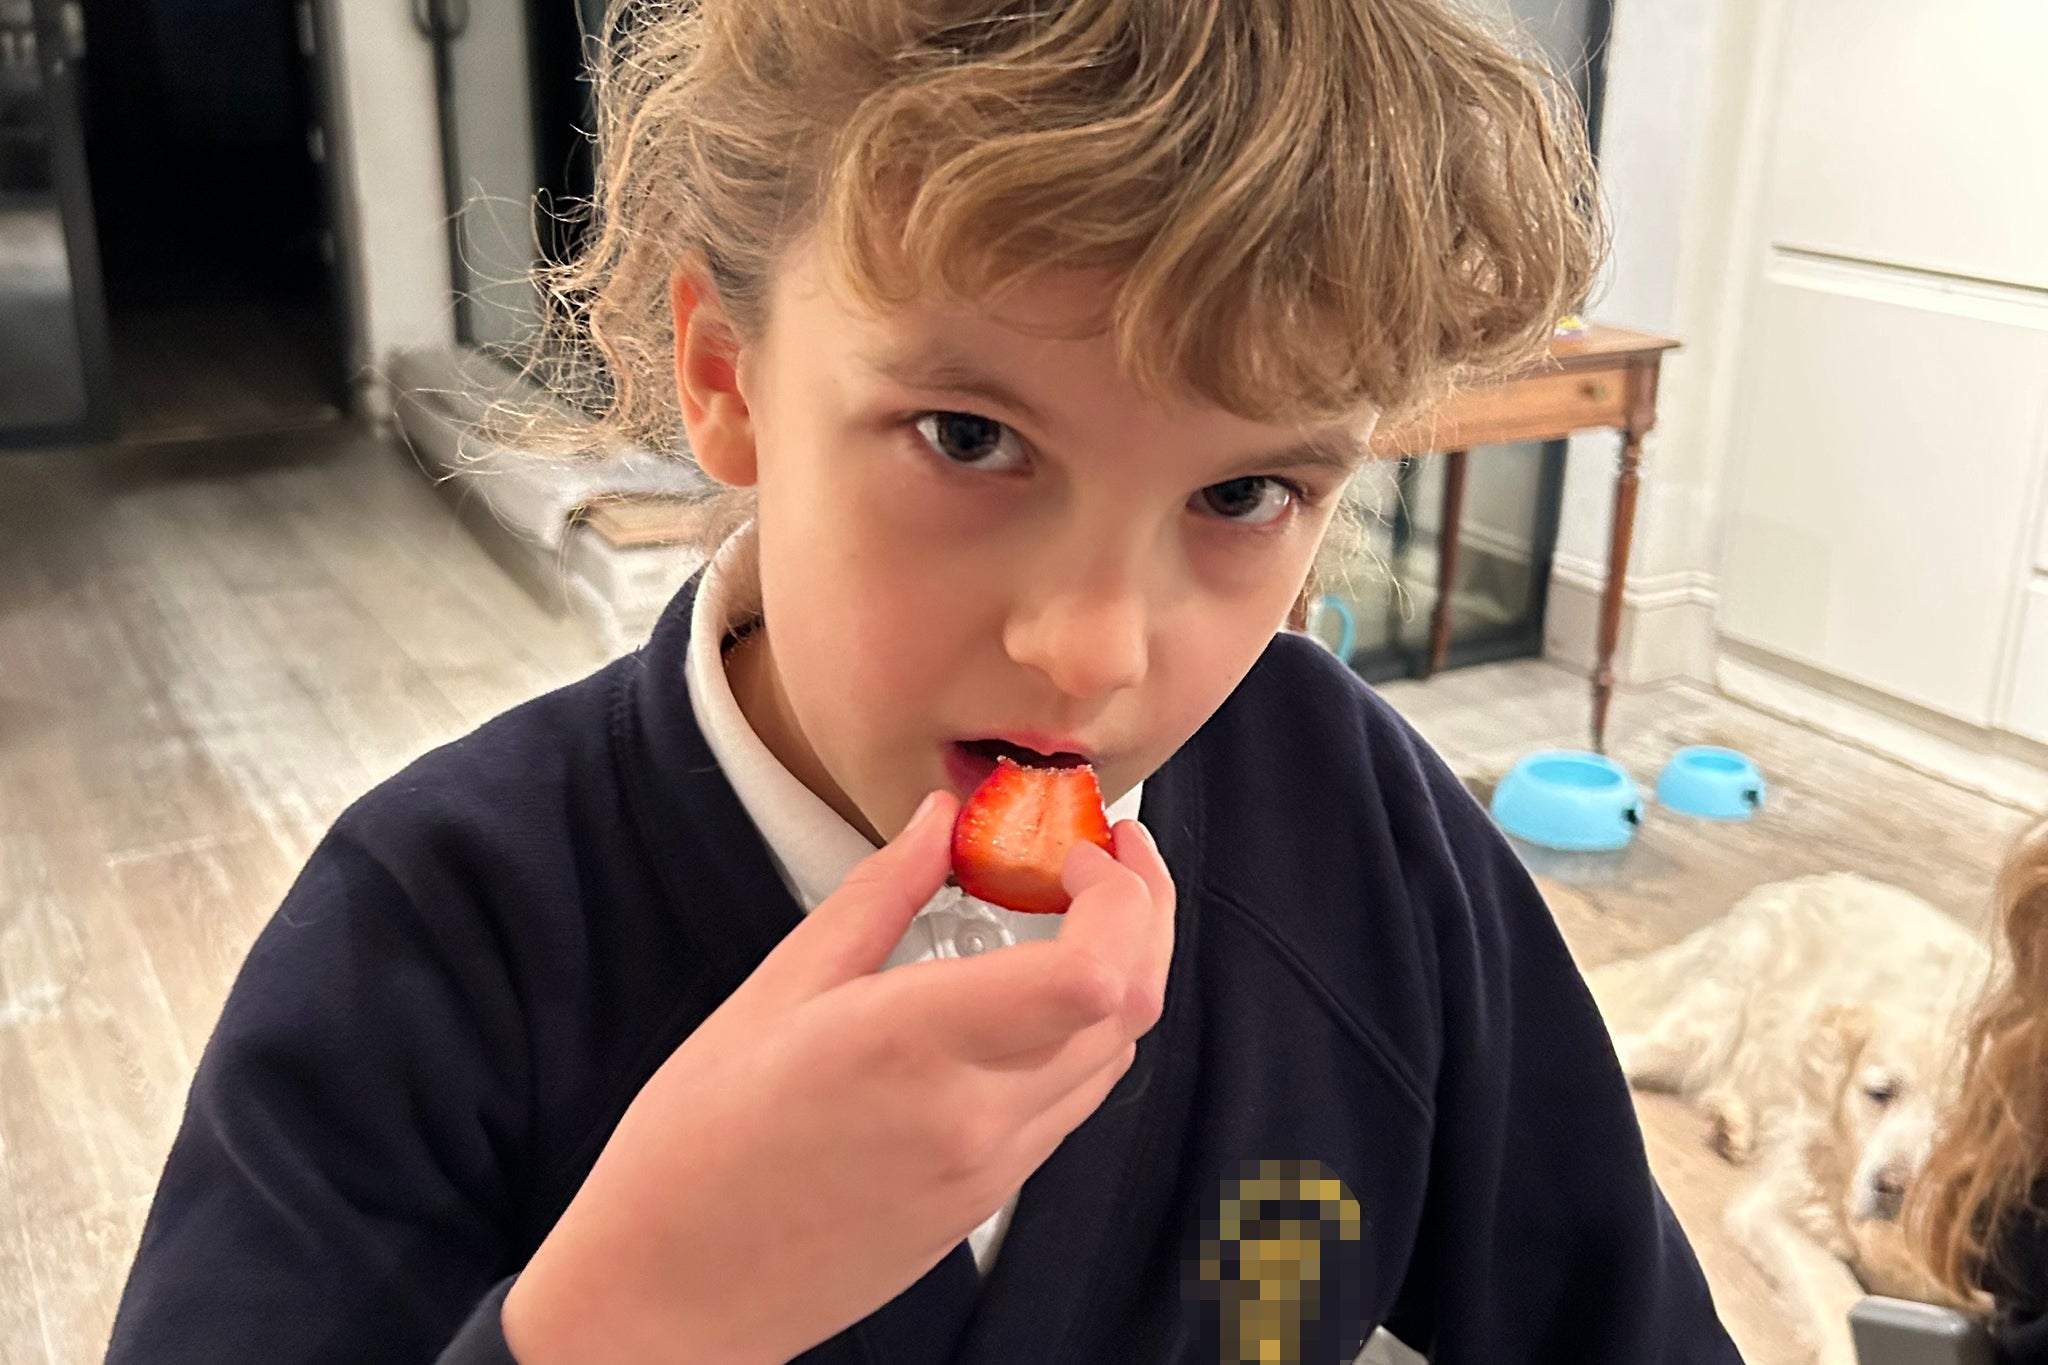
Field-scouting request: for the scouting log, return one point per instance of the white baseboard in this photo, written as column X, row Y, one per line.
column 1667, row 624
column 2002, row 766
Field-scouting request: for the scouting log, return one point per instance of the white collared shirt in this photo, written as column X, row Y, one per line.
column 811, row 845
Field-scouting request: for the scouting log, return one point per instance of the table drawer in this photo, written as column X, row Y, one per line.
column 1532, row 407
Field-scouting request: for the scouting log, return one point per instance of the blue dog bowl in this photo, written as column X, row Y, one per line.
column 1715, row 784
column 1579, row 802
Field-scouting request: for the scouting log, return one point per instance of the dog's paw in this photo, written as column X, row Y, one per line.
column 1732, row 1130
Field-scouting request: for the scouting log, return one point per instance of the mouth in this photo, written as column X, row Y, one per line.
column 970, row 761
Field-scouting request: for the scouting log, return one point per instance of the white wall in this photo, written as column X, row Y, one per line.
column 1672, row 169
column 396, row 213
column 1845, row 507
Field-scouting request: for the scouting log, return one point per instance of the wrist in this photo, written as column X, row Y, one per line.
column 568, row 1308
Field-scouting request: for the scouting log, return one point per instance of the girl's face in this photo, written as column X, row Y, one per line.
column 975, row 533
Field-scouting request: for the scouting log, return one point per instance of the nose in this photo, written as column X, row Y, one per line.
column 1085, row 632
column 1888, row 1189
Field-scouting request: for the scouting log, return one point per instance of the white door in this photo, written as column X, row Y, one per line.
column 1887, row 437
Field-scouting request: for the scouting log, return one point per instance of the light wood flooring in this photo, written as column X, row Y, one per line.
column 206, row 652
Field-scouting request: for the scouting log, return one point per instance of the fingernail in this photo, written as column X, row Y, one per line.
column 924, row 809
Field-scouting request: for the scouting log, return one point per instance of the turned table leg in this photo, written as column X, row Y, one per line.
column 1446, row 561
column 1628, row 480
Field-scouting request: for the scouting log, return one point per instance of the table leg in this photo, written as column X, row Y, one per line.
column 1628, row 479
column 1446, row 561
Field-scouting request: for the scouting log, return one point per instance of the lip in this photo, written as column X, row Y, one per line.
column 967, row 769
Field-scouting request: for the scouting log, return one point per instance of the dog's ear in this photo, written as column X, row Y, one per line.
column 1850, row 1025
column 1840, row 1033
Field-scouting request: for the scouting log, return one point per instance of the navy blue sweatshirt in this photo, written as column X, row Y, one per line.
column 2018, row 1278
column 1371, row 1026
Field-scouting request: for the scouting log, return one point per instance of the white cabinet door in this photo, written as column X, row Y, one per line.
column 2028, row 712
column 1916, row 132
column 2041, row 542
column 1887, row 439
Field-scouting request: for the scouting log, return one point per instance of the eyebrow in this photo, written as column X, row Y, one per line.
column 937, row 369
column 1338, row 452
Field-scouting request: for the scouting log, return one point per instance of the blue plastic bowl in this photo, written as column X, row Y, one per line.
column 1715, row 784
column 1565, row 799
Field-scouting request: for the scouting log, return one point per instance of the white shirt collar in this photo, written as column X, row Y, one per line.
column 813, row 846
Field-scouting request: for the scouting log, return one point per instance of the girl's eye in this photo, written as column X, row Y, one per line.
column 1255, row 501
column 976, row 442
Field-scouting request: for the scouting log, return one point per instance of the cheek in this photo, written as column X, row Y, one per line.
column 1199, row 657
column 875, row 616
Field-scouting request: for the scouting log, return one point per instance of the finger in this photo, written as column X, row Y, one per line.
column 1027, row 1084
column 978, row 1009
column 1022, row 1096
column 1113, row 918
column 1036, row 1138
column 852, row 931
column 1136, row 849
column 1107, row 915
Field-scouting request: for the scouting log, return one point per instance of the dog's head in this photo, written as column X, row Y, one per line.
column 1888, row 1090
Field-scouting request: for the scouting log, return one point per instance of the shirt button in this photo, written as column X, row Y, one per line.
column 976, row 937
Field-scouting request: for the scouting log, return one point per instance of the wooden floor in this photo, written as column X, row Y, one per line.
column 206, row 652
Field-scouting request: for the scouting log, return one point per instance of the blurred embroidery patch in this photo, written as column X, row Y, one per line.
column 1279, row 1230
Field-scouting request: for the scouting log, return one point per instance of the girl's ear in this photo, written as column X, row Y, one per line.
column 715, row 412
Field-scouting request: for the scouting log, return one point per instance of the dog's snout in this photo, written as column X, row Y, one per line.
column 1888, row 1190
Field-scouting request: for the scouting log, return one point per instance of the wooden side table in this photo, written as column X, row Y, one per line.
column 1602, row 377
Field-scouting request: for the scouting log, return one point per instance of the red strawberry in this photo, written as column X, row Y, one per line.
column 1013, row 835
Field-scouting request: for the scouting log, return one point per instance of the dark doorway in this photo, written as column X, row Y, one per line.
column 206, row 147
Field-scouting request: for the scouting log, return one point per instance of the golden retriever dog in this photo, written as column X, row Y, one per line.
column 1818, row 1025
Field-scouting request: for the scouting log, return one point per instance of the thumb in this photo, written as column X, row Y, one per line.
column 852, row 931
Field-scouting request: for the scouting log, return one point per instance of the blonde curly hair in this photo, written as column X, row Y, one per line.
column 1312, row 206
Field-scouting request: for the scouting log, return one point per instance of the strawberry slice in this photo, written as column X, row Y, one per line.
column 1013, row 835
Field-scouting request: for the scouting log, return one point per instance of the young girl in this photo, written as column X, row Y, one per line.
column 1977, row 1208
column 1040, row 339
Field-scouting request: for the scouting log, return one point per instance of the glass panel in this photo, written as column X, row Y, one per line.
column 1505, row 544
column 514, row 107
column 42, row 367
column 491, row 89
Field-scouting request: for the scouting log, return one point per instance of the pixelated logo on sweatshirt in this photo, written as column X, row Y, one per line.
column 1263, row 1259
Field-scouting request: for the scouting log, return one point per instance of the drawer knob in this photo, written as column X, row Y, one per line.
column 1594, row 391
